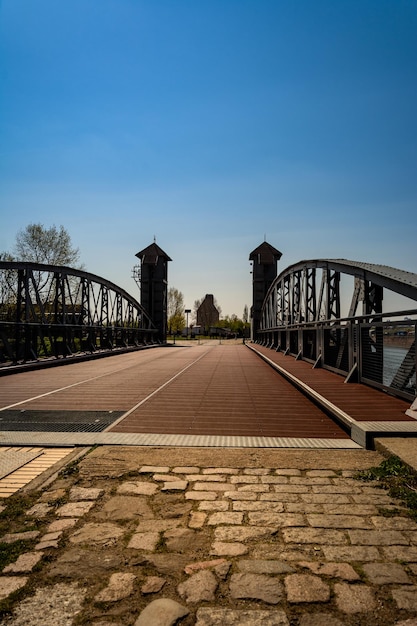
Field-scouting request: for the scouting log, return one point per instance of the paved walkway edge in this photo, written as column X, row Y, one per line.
column 13, row 438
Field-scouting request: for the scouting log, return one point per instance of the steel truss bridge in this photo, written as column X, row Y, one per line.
column 54, row 311
column 303, row 315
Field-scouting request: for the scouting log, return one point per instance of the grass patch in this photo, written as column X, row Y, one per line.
column 398, row 478
column 12, row 518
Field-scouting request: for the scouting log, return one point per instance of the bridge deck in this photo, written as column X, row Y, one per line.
column 200, row 395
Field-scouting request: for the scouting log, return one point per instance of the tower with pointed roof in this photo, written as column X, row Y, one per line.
column 154, row 286
column 264, row 270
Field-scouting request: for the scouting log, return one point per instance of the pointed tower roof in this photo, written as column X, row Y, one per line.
column 152, row 253
column 265, row 253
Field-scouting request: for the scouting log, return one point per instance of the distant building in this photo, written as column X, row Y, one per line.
column 207, row 313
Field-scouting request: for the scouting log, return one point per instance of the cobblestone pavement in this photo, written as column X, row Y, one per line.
column 293, row 542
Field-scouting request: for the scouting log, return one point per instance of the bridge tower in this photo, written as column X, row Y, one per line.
column 264, row 270
column 154, row 286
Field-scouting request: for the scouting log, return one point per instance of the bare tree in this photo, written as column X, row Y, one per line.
column 38, row 244
column 53, row 246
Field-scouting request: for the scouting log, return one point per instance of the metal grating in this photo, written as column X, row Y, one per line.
column 57, row 421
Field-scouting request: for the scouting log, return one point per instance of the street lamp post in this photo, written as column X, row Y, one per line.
column 187, row 311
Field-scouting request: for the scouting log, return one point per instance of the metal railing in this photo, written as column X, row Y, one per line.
column 376, row 350
column 48, row 312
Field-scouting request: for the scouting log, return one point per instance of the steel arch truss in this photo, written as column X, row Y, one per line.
column 330, row 311
column 52, row 311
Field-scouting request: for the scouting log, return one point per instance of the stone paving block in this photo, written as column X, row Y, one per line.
column 161, row 612
column 39, row 510
column 220, row 486
column 200, row 495
column 241, row 495
column 144, row 541
column 241, row 533
column 288, row 472
column 225, row 548
column 52, row 495
column 62, row 524
column 256, row 587
column 220, row 470
column 256, row 471
column 263, row 566
column 380, row 499
column 317, row 536
column 386, row 573
column 274, row 480
column 105, row 533
column 254, row 488
column 394, row 523
column 24, row 564
column 237, row 617
column 160, row 478
column 237, row 480
column 138, row 487
column 25, row 536
column 159, row 525
column 197, row 519
column 177, row 485
column 324, row 498
column 406, row 598
column 85, row 493
column 304, row 480
column 333, row 570
column 295, row 553
column 228, row 517
column 10, row 584
column 378, row 537
column 180, row 540
column 55, row 605
column 199, row 587
column 218, row 505
column 268, row 518
column 274, row 507
column 351, row 554
column 120, row 586
column 350, row 509
column 154, row 469
column 306, row 588
column 279, row 497
column 192, row 568
column 354, row 598
column 400, row 553
column 75, row 509
column 291, row 488
column 153, row 584
column 303, row 507
column 412, row 536
column 45, row 544
column 205, row 478
column 186, row 470
column 338, row 521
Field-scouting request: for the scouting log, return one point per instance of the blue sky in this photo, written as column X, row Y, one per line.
column 211, row 125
